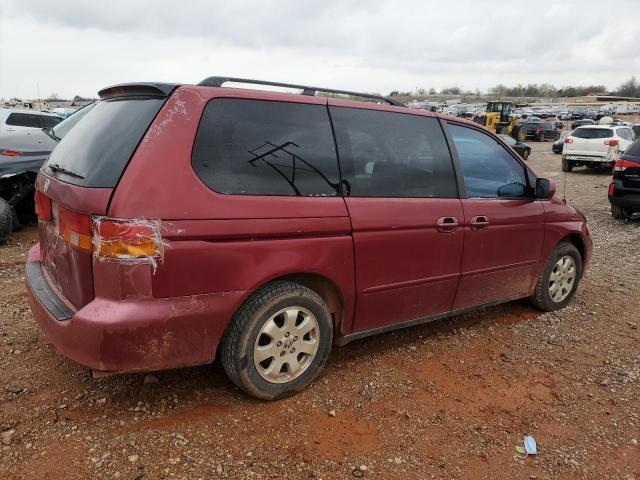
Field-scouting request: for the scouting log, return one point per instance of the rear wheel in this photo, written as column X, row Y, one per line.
column 567, row 166
column 278, row 342
column 559, row 280
column 526, row 153
column 6, row 219
column 617, row 212
column 541, row 137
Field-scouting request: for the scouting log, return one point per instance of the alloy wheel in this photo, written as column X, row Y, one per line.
column 286, row 345
column 562, row 278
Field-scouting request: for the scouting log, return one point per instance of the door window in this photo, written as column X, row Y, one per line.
column 625, row 133
column 259, row 147
column 488, row 169
column 387, row 154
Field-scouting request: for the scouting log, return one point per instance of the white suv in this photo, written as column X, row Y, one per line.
column 596, row 146
column 21, row 120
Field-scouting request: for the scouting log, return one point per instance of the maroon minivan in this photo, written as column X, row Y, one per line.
column 178, row 223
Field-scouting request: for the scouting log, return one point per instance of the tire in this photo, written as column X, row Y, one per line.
column 541, row 137
column 564, row 270
column 6, row 219
column 617, row 212
column 268, row 310
column 567, row 166
column 520, row 133
column 501, row 131
column 526, row 154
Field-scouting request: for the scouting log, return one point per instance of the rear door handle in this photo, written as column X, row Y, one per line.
column 480, row 222
column 447, row 224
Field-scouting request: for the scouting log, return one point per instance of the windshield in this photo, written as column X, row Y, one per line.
column 592, row 133
column 61, row 129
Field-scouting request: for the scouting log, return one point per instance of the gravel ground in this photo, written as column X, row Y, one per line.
column 447, row 400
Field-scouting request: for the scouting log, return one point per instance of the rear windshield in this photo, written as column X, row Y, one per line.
column 592, row 133
column 96, row 151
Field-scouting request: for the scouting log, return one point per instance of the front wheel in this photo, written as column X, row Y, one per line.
column 559, row 280
column 278, row 341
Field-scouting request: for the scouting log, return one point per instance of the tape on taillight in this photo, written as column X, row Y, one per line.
column 128, row 240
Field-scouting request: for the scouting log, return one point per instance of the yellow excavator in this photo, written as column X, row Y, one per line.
column 499, row 118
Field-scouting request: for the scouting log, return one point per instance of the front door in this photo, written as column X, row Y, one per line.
column 406, row 216
column 503, row 222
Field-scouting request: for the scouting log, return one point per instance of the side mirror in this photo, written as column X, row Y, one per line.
column 545, row 188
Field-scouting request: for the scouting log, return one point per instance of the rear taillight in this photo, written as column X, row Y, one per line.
column 568, row 140
column 119, row 239
column 612, row 189
column 11, row 153
column 75, row 228
column 612, row 143
column 43, row 206
column 622, row 165
column 538, row 130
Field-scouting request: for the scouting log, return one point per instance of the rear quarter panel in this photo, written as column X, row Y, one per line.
column 228, row 243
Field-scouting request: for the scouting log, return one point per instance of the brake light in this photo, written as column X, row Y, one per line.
column 538, row 130
column 612, row 189
column 622, row 164
column 43, row 206
column 127, row 239
column 11, row 153
column 612, row 143
column 568, row 140
column 75, row 228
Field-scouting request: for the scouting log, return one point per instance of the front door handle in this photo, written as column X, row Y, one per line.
column 447, row 224
column 480, row 222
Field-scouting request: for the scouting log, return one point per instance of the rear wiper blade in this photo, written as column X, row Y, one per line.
column 54, row 167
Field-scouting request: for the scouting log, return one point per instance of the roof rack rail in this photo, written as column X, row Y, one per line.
column 311, row 91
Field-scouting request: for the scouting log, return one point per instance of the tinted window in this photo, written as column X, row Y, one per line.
column 489, row 170
column 584, row 132
column 99, row 147
column 384, row 154
column 257, row 147
column 49, row 122
column 24, row 120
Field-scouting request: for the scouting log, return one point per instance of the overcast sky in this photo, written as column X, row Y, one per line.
column 79, row 46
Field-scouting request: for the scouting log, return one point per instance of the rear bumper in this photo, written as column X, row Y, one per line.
column 576, row 157
column 131, row 335
column 628, row 198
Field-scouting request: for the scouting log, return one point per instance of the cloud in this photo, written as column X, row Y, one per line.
column 361, row 45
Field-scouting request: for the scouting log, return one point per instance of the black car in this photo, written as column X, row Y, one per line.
column 580, row 123
column 624, row 191
column 541, row 131
column 558, row 145
column 523, row 149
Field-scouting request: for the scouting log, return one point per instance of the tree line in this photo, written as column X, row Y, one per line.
column 630, row 88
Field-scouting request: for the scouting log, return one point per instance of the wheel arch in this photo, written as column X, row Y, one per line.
column 328, row 291
column 576, row 240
